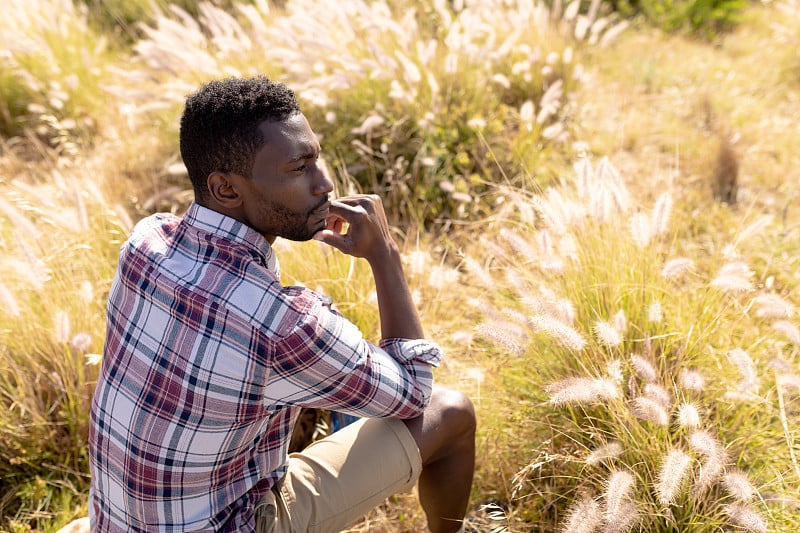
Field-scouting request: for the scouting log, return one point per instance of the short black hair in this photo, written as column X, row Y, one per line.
column 219, row 127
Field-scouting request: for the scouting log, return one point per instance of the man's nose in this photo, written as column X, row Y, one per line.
column 323, row 183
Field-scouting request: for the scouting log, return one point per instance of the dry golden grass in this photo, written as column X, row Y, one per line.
column 659, row 107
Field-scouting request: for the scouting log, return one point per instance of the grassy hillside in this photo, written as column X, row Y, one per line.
column 600, row 221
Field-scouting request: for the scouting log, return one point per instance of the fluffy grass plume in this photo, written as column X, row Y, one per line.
column 747, row 518
column 713, row 463
column 604, row 453
column 620, row 511
column 467, row 116
column 672, row 475
column 559, row 331
column 689, row 416
column 677, row 267
column 789, row 330
column 658, row 394
column 582, row 391
column 691, row 380
column 649, row 410
column 772, row 306
column 607, row 334
column 644, row 368
column 738, row 485
column 585, row 516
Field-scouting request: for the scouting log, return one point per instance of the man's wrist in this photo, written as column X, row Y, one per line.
column 385, row 255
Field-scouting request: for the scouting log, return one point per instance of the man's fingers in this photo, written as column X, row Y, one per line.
column 331, row 238
column 355, row 224
column 348, row 209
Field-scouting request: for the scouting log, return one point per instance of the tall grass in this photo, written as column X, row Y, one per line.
column 59, row 237
column 632, row 349
column 652, row 383
column 52, row 64
column 398, row 91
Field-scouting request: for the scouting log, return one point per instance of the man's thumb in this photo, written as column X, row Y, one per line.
column 330, row 238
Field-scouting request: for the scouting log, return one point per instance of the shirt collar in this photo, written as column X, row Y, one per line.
column 230, row 228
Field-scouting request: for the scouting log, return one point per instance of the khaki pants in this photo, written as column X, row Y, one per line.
column 339, row 479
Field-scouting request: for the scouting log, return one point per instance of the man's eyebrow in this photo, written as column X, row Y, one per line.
column 308, row 153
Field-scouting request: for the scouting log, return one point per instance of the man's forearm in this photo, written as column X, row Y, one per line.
column 367, row 235
column 399, row 316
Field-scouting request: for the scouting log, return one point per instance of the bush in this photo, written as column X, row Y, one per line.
column 703, row 17
column 122, row 19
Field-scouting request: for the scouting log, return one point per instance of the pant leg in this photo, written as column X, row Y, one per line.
column 339, row 479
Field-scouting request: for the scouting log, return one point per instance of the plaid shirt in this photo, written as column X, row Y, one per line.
column 207, row 362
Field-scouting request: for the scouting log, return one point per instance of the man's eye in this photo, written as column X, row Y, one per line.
column 301, row 168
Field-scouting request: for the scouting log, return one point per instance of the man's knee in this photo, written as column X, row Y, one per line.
column 455, row 410
column 445, row 427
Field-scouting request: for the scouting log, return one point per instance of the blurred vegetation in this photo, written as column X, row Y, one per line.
column 468, row 117
column 706, row 18
column 123, row 19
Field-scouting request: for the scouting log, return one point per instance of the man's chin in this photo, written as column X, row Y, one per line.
column 302, row 237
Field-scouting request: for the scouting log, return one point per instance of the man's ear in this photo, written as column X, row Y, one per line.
column 224, row 190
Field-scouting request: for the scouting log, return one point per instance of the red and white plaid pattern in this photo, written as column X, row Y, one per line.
column 207, row 362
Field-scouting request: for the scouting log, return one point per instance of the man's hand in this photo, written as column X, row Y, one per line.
column 367, row 235
column 357, row 226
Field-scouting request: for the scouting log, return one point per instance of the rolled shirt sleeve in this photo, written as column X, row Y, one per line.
column 322, row 360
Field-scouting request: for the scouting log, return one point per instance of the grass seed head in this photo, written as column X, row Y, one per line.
column 582, row 391
column 661, row 213
column 584, row 516
column 81, row 341
column 644, row 369
column 772, row 306
column 9, row 302
column 704, row 443
column 692, row 380
column 607, row 334
column 565, row 335
column 789, row 381
column 688, row 416
column 649, row 410
column 604, row 453
column 732, row 283
column 620, row 511
column 659, row 394
column 674, row 268
column 654, row 312
column 672, row 475
column 746, row 517
column 738, row 485
column 641, row 230
column 508, row 335
column 620, row 322
column 747, row 369
column 789, row 330
column 61, row 327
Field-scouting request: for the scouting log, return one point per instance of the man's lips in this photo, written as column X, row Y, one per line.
column 322, row 211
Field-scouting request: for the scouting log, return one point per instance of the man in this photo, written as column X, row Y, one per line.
column 209, row 359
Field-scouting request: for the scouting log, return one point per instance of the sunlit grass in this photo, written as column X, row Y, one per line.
column 626, row 383
column 59, row 241
column 547, row 287
column 53, row 57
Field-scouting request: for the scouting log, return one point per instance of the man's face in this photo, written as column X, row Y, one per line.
column 288, row 193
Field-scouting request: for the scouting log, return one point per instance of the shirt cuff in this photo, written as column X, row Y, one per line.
column 417, row 349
